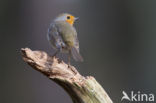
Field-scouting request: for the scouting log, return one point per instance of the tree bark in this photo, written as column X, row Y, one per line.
column 81, row 89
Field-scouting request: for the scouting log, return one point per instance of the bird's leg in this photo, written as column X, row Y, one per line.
column 54, row 55
column 69, row 58
column 57, row 51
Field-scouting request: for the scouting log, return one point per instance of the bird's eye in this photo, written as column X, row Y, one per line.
column 68, row 17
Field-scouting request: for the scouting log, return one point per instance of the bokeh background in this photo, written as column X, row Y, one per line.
column 117, row 41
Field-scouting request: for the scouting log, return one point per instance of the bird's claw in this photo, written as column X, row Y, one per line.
column 69, row 66
column 60, row 60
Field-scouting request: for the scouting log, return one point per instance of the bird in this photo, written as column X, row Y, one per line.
column 63, row 37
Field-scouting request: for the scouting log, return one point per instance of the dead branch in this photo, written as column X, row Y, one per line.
column 81, row 89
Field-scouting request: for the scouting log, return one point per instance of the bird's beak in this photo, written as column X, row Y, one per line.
column 76, row 18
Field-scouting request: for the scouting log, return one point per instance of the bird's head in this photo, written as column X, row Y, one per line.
column 67, row 18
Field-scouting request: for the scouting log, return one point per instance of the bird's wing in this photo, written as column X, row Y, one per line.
column 54, row 37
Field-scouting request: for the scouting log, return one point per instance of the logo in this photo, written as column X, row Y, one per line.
column 137, row 96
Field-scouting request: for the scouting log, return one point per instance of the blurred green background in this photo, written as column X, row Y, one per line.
column 117, row 41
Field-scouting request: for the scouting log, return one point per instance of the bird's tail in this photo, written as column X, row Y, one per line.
column 76, row 55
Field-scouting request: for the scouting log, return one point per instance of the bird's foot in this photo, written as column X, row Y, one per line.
column 70, row 66
column 73, row 69
column 60, row 60
column 53, row 57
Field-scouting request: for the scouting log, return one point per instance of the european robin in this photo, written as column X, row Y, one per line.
column 63, row 36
